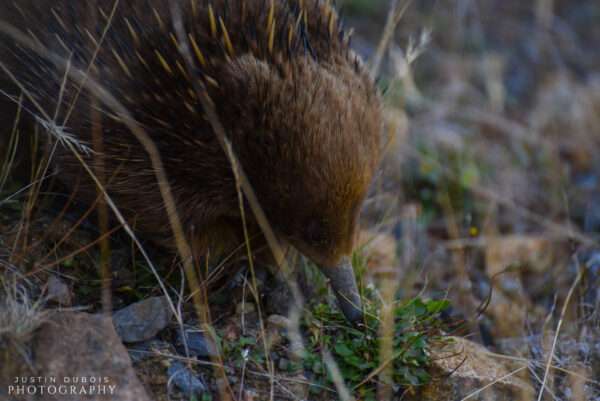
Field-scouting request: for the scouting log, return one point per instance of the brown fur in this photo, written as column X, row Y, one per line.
column 302, row 114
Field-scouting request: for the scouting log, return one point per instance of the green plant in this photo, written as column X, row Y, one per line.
column 417, row 324
column 243, row 350
column 356, row 350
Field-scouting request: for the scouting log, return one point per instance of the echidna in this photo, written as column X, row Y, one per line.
column 301, row 112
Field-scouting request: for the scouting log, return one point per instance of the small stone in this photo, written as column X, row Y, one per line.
column 250, row 395
column 283, row 364
column 58, row 291
column 276, row 326
column 197, row 344
column 592, row 215
column 185, row 380
column 142, row 320
column 274, row 337
column 231, row 332
column 299, row 385
column 278, row 321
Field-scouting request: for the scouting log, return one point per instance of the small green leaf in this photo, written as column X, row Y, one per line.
column 343, row 350
column 438, row 306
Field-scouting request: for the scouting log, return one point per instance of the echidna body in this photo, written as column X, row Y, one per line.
column 302, row 114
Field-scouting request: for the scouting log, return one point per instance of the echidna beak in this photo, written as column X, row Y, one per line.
column 344, row 286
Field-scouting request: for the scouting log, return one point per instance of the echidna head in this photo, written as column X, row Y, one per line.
column 308, row 136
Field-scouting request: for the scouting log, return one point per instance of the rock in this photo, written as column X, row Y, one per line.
column 197, row 344
column 274, row 337
column 185, row 380
column 276, row 328
column 278, row 296
column 298, row 385
column 231, row 331
column 86, row 358
column 591, row 223
column 509, row 313
column 466, row 369
column 537, row 253
column 283, row 364
column 142, row 320
column 591, row 295
column 58, row 291
column 250, row 395
column 518, row 266
column 278, row 321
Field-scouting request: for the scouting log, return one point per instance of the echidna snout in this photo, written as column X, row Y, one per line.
column 343, row 284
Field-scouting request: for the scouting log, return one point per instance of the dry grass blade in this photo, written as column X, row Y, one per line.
column 11, row 151
column 539, row 380
column 336, row 375
column 19, row 314
column 21, row 191
column 393, row 18
column 390, row 285
column 498, row 380
column 244, row 188
column 532, row 362
column 558, row 328
column 106, row 98
column 86, row 73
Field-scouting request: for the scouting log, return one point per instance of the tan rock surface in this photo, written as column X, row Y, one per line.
column 466, row 370
column 83, row 356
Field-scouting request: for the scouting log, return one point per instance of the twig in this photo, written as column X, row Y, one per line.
column 558, row 327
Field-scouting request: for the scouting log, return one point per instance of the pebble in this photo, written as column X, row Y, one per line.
column 250, row 395
column 142, row 320
column 58, row 291
column 283, row 364
column 197, row 344
column 185, row 380
column 278, row 321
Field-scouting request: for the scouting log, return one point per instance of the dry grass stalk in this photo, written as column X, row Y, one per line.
column 557, row 333
column 393, row 18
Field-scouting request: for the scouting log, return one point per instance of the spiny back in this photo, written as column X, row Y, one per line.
column 301, row 112
column 117, row 34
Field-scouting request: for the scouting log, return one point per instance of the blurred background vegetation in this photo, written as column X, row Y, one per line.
column 490, row 191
